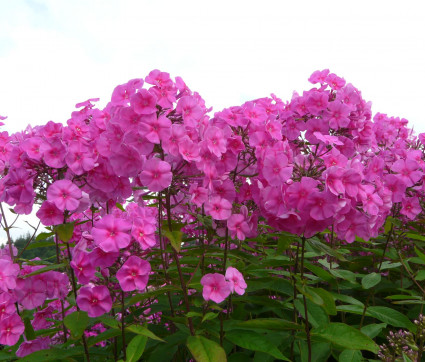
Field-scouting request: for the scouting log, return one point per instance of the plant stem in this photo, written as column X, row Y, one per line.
column 74, row 288
column 307, row 328
column 6, row 228
column 123, row 325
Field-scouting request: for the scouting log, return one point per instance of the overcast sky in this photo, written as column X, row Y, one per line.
column 55, row 53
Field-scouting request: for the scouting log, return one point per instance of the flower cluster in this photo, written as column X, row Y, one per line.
column 155, row 157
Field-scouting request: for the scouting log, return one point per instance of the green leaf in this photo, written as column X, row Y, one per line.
column 43, row 236
column 328, row 300
column 40, row 244
column 45, row 269
column 420, row 276
column 29, row 330
column 345, row 336
column 53, row 354
column 370, row 280
column 136, row 348
column 321, row 273
column 76, row 322
column 208, row 316
column 372, row 330
column 350, row 356
column 392, row 317
column 310, row 294
column 254, row 342
column 138, row 329
column 119, row 206
column 273, row 324
column 65, row 231
column 319, row 246
column 108, row 334
column 205, row 350
column 420, row 254
column 175, row 238
column 152, row 293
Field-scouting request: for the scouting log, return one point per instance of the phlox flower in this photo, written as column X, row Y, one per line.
column 407, row 171
column 134, row 274
column 190, row 110
column 156, row 174
column 319, row 76
column 83, row 267
column 218, row 208
column 30, row 292
column 144, row 233
column 11, row 329
column 143, row 102
column 111, row 233
column 238, row 226
column 8, row 273
column 28, row 347
column 216, row 288
column 410, row 207
column 49, row 214
column 236, row 280
column 64, row 194
column 94, row 300
column 276, row 170
column 155, row 129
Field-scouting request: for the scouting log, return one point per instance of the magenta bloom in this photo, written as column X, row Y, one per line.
column 156, row 174
column 238, row 226
column 30, row 292
column 64, row 194
column 134, row 274
column 111, row 233
column 189, row 108
column 411, row 207
column 8, row 274
column 218, row 208
column 236, row 280
column 143, row 102
column 216, row 288
column 95, row 300
column 49, row 214
column 11, row 329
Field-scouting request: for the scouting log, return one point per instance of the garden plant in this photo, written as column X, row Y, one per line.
column 267, row 231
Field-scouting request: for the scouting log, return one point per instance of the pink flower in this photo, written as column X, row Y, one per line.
column 111, row 233
column 236, row 280
column 143, row 102
column 276, row 170
column 11, row 329
column 218, row 208
column 95, row 300
column 238, row 226
column 31, row 292
column 189, row 108
column 134, row 274
column 156, row 174
column 83, row 267
column 49, row 214
column 216, row 288
column 410, row 207
column 144, row 233
column 8, row 273
column 28, row 347
column 64, row 194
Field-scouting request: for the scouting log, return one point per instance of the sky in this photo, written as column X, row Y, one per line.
column 56, row 53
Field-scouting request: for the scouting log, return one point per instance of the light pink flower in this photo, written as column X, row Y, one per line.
column 8, row 273
column 49, row 214
column 236, row 280
column 111, row 233
column 94, row 300
column 216, row 288
column 134, row 274
column 64, row 194
column 156, row 174
column 218, row 208
column 11, row 329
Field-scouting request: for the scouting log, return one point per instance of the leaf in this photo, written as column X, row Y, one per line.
column 310, row 294
column 420, row 276
column 175, row 238
column 45, row 269
column 328, row 300
column 108, row 334
column 316, row 314
column 40, row 244
column 372, row 330
column 138, row 329
column 370, row 280
column 420, row 254
column 76, row 322
column 321, row 273
column 205, row 350
column 350, row 356
column 53, row 354
column 43, row 236
column 345, row 336
column 29, row 330
column 65, row 231
column 119, row 206
column 254, row 342
column 319, row 246
column 392, row 317
column 344, row 274
column 152, row 293
column 273, row 324
column 135, row 348
column 208, row 316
